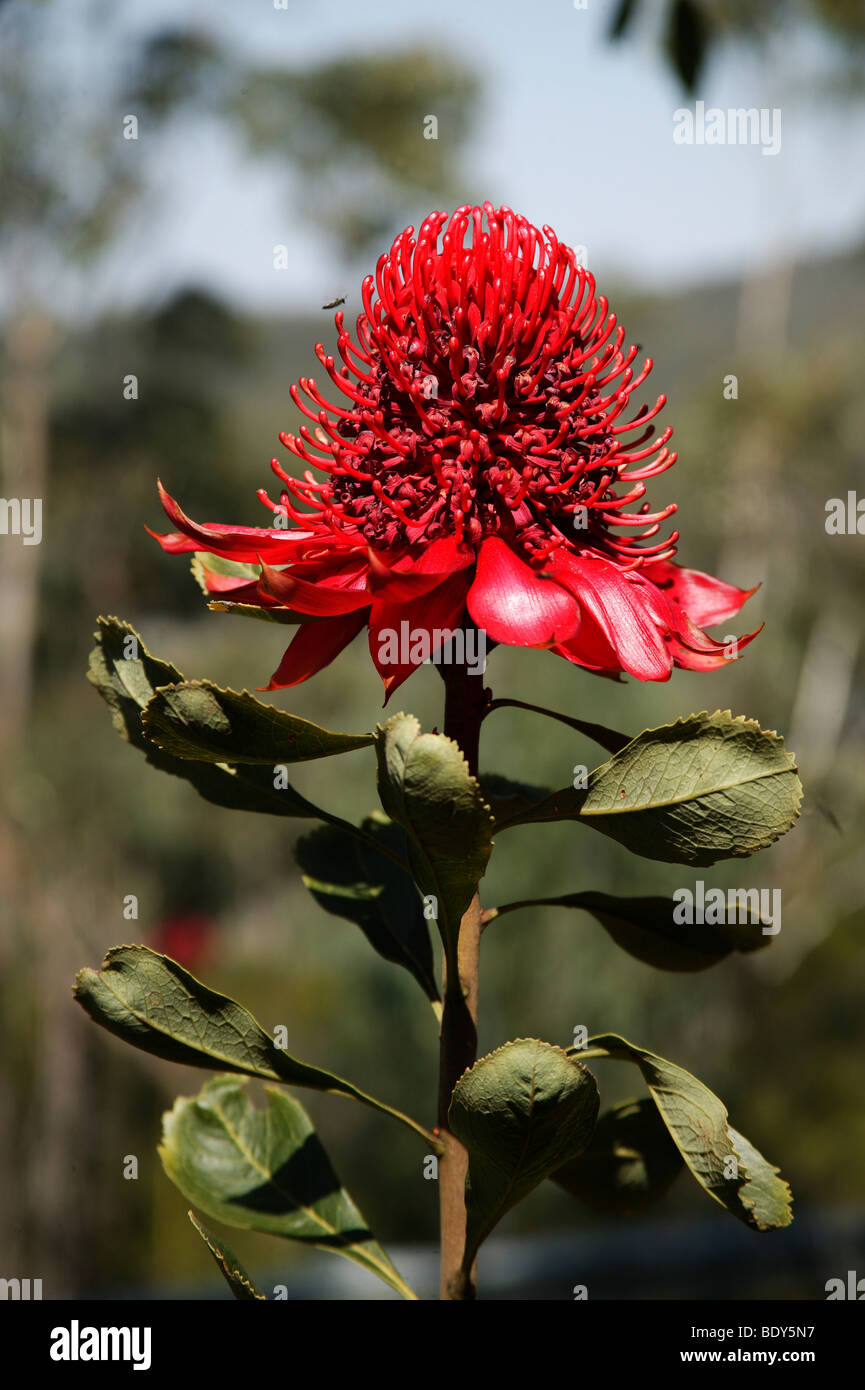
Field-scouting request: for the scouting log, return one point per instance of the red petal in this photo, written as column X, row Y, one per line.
column 320, row 600
column 173, row 542
column 218, row 583
column 314, row 647
column 440, row 612
column 691, row 648
column 514, row 605
column 329, row 564
column 249, row 592
column 706, row 600
column 620, row 610
column 590, row 649
column 704, row 657
column 411, row 577
column 234, row 542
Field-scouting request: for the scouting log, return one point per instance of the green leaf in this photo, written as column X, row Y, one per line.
column 426, row 787
column 765, row 1196
column 687, row 41
column 622, row 17
column 629, row 1163
column 154, row 1004
column 708, row 787
column 228, row 1264
column 724, row 1163
column 265, row 1170
column 349, row 878
column 522, row 1112
column 646, row 929
column 197, row 719
column 126, row 676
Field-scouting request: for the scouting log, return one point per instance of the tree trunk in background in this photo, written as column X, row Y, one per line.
column 41, row 1096
column 27, row 350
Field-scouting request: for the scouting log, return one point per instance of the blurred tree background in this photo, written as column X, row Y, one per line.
column 86, row 824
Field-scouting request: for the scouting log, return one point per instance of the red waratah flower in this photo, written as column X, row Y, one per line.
column 480, row 470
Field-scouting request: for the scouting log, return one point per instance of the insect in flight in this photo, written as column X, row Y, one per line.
column 333, row 303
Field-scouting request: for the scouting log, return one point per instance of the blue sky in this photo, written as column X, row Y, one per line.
column 574, row 132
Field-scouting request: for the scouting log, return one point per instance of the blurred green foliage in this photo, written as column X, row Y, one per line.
column 352, row 128
column 691, row 30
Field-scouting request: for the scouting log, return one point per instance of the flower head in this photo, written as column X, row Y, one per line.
column 484, row 466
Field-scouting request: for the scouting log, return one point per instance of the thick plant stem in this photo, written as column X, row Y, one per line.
column 466, row 702
column 464, row 705
column 458, row 1050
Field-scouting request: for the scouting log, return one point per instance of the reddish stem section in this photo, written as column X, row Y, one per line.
column 465, row 702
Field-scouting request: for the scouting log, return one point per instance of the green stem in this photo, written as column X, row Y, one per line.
column 428, row 1137
column 599, row 733
column 491, row 913
column 360, row 834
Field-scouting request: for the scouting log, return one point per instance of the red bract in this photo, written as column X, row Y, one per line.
column 187, row 938
column 480, row 469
